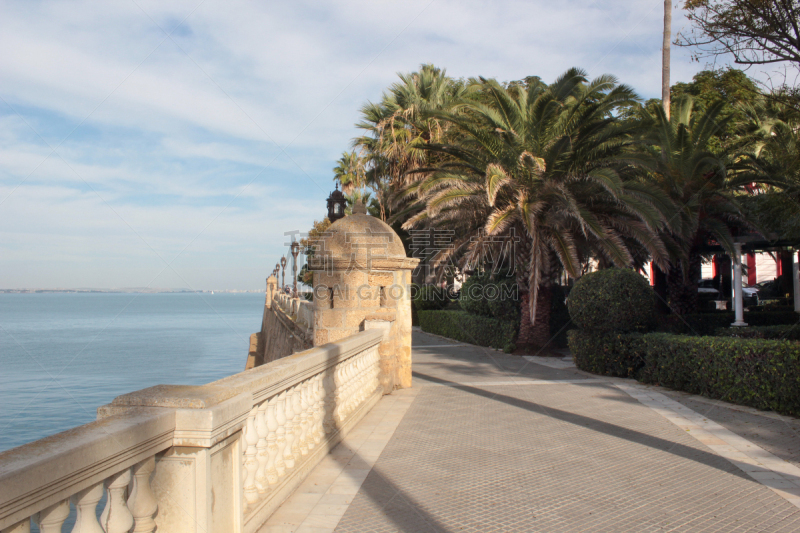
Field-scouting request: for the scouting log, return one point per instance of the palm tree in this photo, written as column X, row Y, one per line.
column 533, row 170
column 349, row 172
column 701, row 183
column 665, row 61
column 397, row 128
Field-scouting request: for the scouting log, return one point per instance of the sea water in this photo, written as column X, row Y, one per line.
column 64, row 354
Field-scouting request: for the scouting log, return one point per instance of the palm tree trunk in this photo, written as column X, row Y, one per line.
column 683, row 295
column 665, row 96
column 661, row 289
column 535, row 335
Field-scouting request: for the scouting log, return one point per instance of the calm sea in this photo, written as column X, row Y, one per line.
column 63, row 355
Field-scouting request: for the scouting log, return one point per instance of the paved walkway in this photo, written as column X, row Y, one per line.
column 488, row 442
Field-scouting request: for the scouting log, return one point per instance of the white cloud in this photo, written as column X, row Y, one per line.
column 244, row 98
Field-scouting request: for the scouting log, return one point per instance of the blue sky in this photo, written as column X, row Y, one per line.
column 171, row 144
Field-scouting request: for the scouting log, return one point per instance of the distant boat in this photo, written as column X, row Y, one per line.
column 212, row 292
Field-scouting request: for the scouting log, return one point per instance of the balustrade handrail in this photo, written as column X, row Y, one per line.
column 40, row 476
column 47, row 471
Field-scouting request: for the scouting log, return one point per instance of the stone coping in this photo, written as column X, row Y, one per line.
column 262, row 382
column 39, row 474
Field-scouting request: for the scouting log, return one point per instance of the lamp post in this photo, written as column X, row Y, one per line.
column 283, row 273
column 295, row 251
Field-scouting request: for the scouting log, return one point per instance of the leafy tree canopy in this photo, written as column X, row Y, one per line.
column 729, row 85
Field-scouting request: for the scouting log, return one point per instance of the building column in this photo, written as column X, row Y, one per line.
column 737, row 285
column 795, row 282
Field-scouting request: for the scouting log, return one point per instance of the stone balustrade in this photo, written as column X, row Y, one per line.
column 298, row 309
column 219, row 457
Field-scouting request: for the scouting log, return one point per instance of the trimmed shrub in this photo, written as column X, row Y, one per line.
column 787, row 332
column 709, row 323
column 760, row 373
column 471, row 298
column 505, row 304
column 613, row 299
column 466, row 327
column 430, row 297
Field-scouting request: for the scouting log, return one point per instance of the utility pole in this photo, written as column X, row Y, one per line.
column 665, row 97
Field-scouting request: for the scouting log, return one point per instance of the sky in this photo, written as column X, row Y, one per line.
column 173, row 144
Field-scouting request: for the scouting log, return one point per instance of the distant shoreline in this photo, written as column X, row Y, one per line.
column 128, row 291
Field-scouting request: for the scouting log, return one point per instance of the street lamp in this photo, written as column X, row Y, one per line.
column 295, row 251
column 283, row 274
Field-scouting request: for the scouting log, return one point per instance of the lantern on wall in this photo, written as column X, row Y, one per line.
column 336, row 204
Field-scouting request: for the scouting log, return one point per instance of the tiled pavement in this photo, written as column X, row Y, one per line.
column 489, row 442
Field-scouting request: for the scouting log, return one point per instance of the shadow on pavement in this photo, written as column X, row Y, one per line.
column 657, row 443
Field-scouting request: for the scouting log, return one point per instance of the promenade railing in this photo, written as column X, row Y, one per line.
column 218, row 457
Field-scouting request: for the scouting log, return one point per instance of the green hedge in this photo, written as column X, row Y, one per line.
column 787, row 332
column 610, row 354
column 709, row 323
column 429, row 297
column 474, row 329
column 760, row 373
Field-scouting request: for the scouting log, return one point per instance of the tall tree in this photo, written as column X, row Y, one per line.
column 728, row 85
column 349, row 172
column 665, row 60
column 396, row 129
column 700, row 182
column 531, row 169
column 754, row 32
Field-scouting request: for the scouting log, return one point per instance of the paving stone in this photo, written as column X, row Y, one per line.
column 562, row 457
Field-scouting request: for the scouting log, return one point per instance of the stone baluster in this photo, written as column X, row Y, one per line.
column 288, row 455
column 319, row 409
column 262, row 454
column 311, row 410
column 338, row 394
column 51, row 519
column 298, row 424
column 280, row 434
column 142, row 502
column 351, row 385
column 303, row 401
column 348, row 388
column 250, row 461
column 85, row 503
column 116, row 517
column 272, row 440
column 329, row 391
column 356, row 390
column 360, row 368
column 354, row 397
column 368, row 373
column 376, row 368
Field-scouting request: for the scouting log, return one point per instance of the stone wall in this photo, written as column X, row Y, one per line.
column 286, row 328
